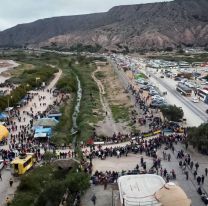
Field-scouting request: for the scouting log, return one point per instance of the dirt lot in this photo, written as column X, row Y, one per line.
column 117, row 103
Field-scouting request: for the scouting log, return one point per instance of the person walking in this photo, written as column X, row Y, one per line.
column 118, row 153
column 93, row 199
column 105, row 183
column 195, row 174
column 206, row 171
column 8, row 201
column 11, row 182
column 187, row 175
column 202, row 179
column 197, row 166
column 198, row 179
column 191, row 165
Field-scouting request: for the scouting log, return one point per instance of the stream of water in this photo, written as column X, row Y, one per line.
column 74, row 129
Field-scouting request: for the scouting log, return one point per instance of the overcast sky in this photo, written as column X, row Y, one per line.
column 13, row 12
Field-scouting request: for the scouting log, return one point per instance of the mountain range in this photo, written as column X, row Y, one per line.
column 152, row 26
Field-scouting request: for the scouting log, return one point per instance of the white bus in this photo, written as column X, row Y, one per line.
column 203, row 95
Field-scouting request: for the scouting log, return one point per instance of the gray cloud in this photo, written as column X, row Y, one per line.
column 14, row 12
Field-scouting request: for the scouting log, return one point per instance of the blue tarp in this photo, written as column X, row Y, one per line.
column 55, row 116
column 3, row 116
column 47, row 131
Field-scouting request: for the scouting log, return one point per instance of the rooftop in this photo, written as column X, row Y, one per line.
column 139, row 189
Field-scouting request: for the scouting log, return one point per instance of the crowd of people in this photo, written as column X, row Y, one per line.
column 20, row 124
column 142, row 147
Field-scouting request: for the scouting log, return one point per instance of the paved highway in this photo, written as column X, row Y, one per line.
column 194, row 112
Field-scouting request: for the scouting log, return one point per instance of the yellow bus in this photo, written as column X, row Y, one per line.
column 22, row 164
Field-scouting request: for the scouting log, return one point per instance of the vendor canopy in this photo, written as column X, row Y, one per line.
column 4, row 133
column 46, row 122
column 3, row 116
column 40, row 135
column 47, row 131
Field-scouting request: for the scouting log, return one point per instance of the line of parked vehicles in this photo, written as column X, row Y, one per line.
column 157, row 100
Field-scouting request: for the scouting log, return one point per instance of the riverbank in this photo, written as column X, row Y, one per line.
column 91, row 111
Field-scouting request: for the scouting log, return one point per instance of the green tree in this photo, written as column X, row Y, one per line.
column 48, row 156
column 198, row 137
column 172, row 113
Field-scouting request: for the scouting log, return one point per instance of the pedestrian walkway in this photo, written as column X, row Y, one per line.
column 5, row 190
column 103, row 197
column 203, row 163
column 129, row 163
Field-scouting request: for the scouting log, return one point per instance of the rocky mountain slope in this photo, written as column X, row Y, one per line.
column 134, row 27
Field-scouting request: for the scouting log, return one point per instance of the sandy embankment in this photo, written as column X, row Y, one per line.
column 6, row 65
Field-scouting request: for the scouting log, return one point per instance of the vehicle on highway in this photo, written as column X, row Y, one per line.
column 204, row 83
column 183, row 89
column 1, row 164
column 203, row 95
column 195, row 100
column 162, row 76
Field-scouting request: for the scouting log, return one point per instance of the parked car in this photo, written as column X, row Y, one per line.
column 158, row 105
column 195, row 100
column 146, row 88
column 159, row 101
column 153, row 93
column 157, row 97
column 177, row 79
column 204, row 83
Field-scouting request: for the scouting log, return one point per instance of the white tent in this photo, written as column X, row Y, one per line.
column 139, row 189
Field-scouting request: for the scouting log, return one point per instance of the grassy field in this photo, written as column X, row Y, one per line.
column 120, row 113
